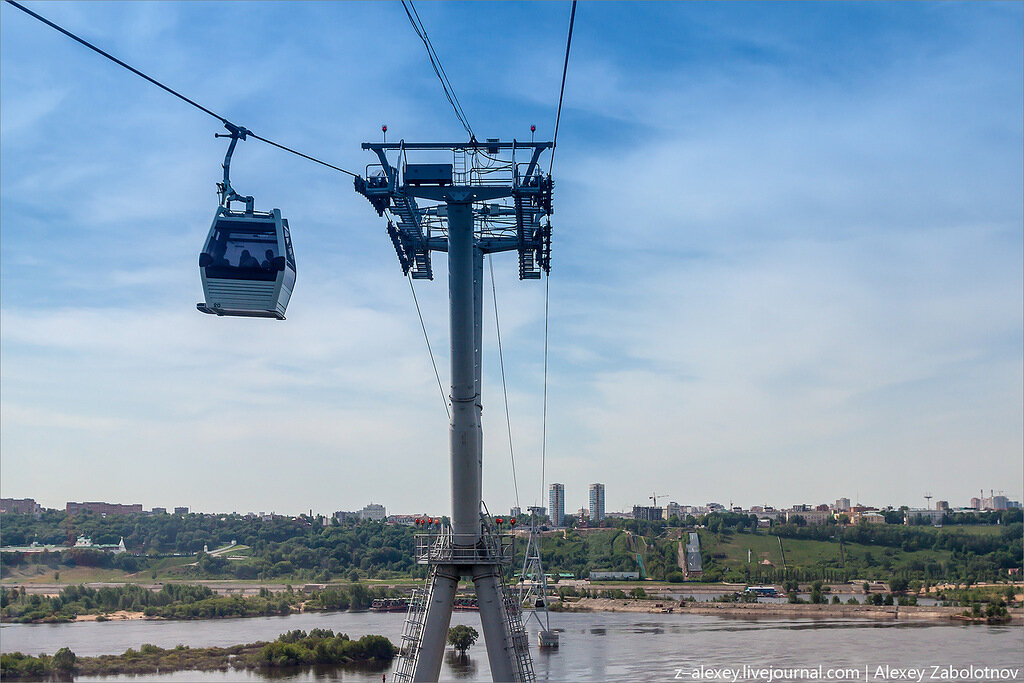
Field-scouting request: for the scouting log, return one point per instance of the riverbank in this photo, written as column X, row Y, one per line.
column 760, row 610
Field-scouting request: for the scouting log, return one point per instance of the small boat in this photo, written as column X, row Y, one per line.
column 389, row 605
column 467, row 605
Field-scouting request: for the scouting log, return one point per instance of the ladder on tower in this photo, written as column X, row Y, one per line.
column 410, row 235
column 460, row 167
column 526, row 232
column 412, row 631
column 518, row 640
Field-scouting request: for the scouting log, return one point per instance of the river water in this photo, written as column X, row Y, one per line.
column 594, row 646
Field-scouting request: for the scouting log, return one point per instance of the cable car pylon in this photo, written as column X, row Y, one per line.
column 533, row 590
column 491, row 205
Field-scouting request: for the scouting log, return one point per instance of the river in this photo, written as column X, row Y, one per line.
column 594, row 646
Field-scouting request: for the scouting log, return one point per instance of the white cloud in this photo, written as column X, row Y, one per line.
column 774, row 279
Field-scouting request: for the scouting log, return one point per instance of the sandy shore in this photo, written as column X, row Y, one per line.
column 120, row 615
column 776, row 611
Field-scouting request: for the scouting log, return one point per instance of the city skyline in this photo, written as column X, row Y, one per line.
column 954, row 503
column 787, row 244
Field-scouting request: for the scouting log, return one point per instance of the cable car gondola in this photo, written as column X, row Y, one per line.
column 247, row 264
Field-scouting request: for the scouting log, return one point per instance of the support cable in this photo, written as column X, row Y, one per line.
column 547, row 280
column 435, row 62
column 423, row 326
column 172, row 91
column 544, row 409
column 504, row 386
column 561, row 93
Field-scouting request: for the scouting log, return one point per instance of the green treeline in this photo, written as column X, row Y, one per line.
column 178, row 601
column 173, row 601
column 301, row 549
column 320, row 647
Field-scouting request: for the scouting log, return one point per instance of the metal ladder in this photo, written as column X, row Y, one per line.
column 518, row 639
column 526, row 228
column 412, row 631
column 459, row 167
column 410, row 224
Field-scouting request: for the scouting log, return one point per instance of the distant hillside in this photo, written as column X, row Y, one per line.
column 304, row 550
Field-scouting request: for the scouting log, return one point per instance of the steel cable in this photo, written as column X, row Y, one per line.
column 504, row 386
column 172, row 91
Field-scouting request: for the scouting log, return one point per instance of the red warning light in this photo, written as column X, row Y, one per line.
column 512, row 521
column 384, row 128
column 533, row 129
column 499, row 520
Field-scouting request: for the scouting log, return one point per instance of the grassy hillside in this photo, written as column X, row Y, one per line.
column 957, row 553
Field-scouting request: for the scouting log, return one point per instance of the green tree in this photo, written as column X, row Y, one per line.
column 359, row 597
column 462, row 637
column 64, row 660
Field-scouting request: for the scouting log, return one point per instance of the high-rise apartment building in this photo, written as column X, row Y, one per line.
column 596, row 503
column 556, row 504
column 647, row 513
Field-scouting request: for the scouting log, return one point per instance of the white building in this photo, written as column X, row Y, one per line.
column 929, row 516
column 809, row 516
column 373, row 512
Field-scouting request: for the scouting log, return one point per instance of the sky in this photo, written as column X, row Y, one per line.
column 788, row 259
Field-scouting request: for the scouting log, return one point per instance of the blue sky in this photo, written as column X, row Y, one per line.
column 787, row 260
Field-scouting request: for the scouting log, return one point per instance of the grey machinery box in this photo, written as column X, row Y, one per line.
column 428, row 174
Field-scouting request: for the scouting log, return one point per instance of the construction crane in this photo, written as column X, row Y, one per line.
column 654, row 498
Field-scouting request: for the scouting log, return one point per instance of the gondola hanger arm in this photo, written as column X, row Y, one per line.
column 227, row 193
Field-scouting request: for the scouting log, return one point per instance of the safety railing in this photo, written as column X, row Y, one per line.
column 447, row 548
